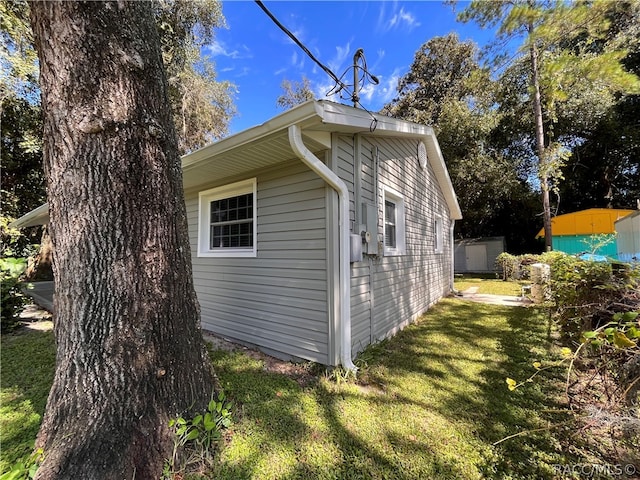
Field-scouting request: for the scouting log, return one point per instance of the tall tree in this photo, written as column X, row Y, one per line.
column 130, row 353
column 604, row 170
column 556, row 43
column 442, row 70
column 202, row 106
column 294, row 93
column 447, row 88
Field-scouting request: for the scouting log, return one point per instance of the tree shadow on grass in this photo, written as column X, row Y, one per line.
column 27, row 359
column 444, row 376
column 308, row 430
column 471, row 387
column 532, row 410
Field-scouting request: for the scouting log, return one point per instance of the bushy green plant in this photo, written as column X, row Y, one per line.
column 13, row 242
column 10, row 291
column 25, row 470
column 198, row 435
column 586, row 294
column 509, row 265
column 518, row 267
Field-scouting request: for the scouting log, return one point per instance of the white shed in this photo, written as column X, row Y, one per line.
column 628, row 237
column 477, row 255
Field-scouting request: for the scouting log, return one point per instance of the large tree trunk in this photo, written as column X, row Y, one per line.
column 130, row 353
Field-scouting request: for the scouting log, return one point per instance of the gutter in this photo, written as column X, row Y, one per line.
column 453, row 258
column 38, row 216
column 315, row 164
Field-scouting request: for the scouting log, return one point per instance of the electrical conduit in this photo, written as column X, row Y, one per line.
column 315, row 164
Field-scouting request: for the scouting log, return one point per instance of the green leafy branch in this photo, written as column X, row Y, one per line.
column 201, row 432
column 25, row 470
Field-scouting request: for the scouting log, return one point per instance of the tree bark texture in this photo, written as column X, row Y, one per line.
column 130, row 353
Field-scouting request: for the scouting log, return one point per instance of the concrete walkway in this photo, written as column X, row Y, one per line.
column 508, row 300
column 41, row 293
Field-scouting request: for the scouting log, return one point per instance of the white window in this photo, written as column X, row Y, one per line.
column 393, row 218
column 438, row 245
column 227, row 221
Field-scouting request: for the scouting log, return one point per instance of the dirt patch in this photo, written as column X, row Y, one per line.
column 304, row 373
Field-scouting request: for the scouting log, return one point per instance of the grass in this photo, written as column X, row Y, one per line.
column 429, row 403
column 488, row 284
column 27, row 364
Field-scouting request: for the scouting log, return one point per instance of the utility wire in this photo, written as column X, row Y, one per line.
column 327, row 70
column 333, row 76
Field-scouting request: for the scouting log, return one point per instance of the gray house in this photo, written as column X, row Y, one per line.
column 320, row 231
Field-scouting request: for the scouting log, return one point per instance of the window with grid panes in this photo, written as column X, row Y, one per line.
column 227, row 221
column 232, row 222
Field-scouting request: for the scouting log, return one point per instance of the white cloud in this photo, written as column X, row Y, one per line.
column 398, row 19
column 220, row 49
column 341, row 55
column 384, row 92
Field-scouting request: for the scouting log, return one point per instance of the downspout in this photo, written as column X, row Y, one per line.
column 314, row 163
column 453, row 257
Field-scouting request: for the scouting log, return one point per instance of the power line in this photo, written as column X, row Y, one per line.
column 338, row 81
column 328, row 71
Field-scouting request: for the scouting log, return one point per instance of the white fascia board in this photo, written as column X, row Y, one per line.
column 440, row 169
column 307, row 111
column 37, row 216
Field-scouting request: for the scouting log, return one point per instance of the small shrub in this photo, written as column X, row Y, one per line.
column 586, row 294
column 25, row 470
column 509, row 265
column 195, row 438
column 10, row 291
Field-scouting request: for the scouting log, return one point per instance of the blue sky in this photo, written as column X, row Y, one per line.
column 256, row 56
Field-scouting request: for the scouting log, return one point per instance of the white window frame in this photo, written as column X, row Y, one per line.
column 395, row 197
column 204, row 219
column 438, row 235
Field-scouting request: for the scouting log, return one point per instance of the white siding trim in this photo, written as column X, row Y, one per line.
column 400, row 238
column 204, row 215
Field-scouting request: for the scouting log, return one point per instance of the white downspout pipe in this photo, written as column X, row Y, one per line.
column 314, row 163
column 453, row 256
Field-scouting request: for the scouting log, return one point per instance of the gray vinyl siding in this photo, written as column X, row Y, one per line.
column 346, row 172
column 278, row 300
column 388, row 292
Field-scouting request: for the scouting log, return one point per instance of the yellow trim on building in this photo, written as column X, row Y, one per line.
column 586, row 222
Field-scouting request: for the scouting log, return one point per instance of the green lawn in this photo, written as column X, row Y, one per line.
column 27, row 363
column 488, row 284
column 429, row 403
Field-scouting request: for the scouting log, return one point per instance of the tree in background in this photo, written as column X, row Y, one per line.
column 557, row 53
column 442, row 72
column 20, row 115
column 294, row 93
column 130, row 354
column 447, row 88
column 202, row 107
column 604, row 170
